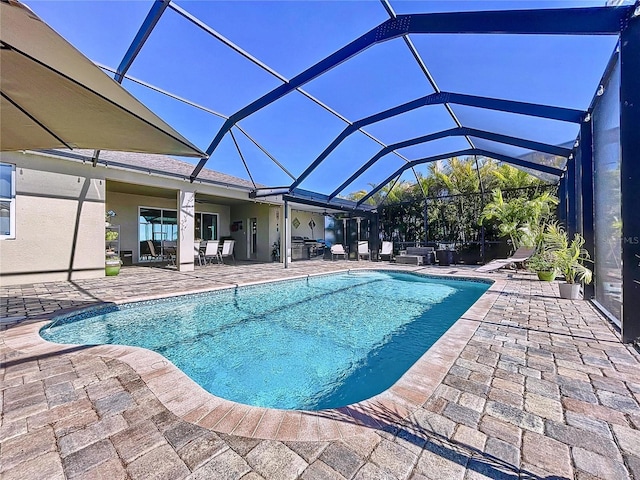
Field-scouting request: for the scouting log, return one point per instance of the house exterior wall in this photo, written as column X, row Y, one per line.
column 59, row 222
column 304, row 230
column 242, row 213
column 60, row 216
column 126, row 207
column 276, row 219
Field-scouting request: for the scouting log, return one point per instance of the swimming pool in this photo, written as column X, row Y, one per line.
column 320, row 342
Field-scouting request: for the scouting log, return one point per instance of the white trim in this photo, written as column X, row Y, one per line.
column 162, row 210
column 12, row 205
column 217, row 215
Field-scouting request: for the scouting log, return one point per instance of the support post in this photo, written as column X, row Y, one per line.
column 577, row 197
column 630, row 178
column 571, row 197
column 562, row 197
column 374, row 234
column 586, row 161
column 425, row 214
column 358, row 220
column 286, row 227
column 481, row 185
column 345, row 243
column 186, row 238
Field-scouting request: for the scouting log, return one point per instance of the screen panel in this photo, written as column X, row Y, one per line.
column 199, row 126
column 294, row 130
column 607, row 198
column 90, row 26
column 381, row 77
column 288, row 36
column 415, row 123
column 195, row 65
column 528, row 68
column 552, row 132
column 348, row 157
column 435, row 147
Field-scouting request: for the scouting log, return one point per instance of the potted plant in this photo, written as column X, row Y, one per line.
column 570, row 258
column 112, row 264
column 544, row 264
column 445, row 254
column 111, row 235
column 275, row 251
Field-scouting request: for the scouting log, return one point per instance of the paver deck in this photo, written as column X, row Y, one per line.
column 526, row 385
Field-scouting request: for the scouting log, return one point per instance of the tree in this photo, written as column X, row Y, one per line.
column 520, row 219
column 454, row 201
column 508, row 177
column 390, row 193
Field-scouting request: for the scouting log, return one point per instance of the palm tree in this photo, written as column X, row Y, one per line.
column 396, row 193
column 390, row 193
column 519, row 219
column 509, row 177
column 462, row 176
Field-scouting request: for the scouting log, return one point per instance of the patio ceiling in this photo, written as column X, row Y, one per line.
column 316, row 100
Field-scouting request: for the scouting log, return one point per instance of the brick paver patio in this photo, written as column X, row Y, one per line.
column 535, row 387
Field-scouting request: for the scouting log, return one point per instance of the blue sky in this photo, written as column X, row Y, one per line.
column 290, row 36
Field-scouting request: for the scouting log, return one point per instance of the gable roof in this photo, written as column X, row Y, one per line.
column 159, row 164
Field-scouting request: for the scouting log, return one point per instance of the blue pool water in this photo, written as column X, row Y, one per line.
column 321, row 342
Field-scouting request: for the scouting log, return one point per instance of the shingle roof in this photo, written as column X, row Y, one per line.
column 166, row 164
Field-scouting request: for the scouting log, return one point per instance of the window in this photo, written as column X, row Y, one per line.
column 157, row 232
column 206, row 226
column 7, row 201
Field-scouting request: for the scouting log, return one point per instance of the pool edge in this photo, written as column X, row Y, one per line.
column 186, row 399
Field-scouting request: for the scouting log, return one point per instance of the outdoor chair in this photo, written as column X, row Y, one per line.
column 363, row 250
column 387, row 251
column 227, row 250
column 211, row 251
column 337, row 250
column 169, row 248
column 152, row 251
column 197, row 253
column 521, row 255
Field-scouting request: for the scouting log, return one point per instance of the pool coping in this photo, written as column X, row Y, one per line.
column 186, row 399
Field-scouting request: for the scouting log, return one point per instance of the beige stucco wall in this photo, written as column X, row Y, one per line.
column 126, row 207
column 276, row 218
column 59, row 222
column 304, row 230
column 60, row 215
column 243, row 213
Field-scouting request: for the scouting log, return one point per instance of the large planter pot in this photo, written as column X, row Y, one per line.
column 547, row 276
column 570, row 291
column 111, row 267
column 445, row 257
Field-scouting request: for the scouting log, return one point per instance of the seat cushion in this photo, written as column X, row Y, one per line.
column 410, row 259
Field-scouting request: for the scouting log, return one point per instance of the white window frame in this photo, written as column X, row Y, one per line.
column 200, row 214
column 12, row 205
column 140, row 207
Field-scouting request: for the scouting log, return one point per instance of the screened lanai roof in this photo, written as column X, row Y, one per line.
column 320, row 99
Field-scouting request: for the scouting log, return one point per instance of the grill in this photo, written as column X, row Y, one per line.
column 304, row 248
column 299, row 250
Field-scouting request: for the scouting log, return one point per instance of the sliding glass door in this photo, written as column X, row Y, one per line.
column 157, row 232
